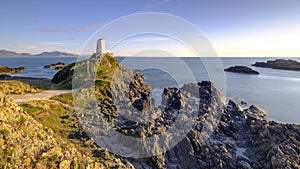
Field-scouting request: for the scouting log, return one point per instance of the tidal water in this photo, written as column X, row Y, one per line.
column 276, row 91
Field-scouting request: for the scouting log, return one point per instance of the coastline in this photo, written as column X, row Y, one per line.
column 238, row 137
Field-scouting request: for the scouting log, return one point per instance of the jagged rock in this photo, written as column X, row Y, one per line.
column 139, row 93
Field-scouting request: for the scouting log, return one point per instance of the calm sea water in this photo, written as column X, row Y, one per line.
column 35, row 65
column 277, row 91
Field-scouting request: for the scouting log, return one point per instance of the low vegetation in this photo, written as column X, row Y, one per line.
column 42, row 84
column 16, row 87
column 49, row 113
column 76, row 75
column 65, row 98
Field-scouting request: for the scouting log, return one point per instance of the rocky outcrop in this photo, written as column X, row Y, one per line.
column 243, row 139
column 283, row 64
column 221, row 136
column 64, row 76
column 56, row 66
column 241, row 69
column 81, row 73
column 7, row 70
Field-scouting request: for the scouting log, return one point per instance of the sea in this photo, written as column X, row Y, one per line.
column 276, row 91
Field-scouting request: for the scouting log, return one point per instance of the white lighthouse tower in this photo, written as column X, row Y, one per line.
column 100, row 47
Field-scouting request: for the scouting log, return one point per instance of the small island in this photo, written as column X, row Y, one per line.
column 241, row 69
column 56, row 66
column 283, row 64
column 8, row 70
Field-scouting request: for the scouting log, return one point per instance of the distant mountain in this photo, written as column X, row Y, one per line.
column 11, row 53
column 55, row 53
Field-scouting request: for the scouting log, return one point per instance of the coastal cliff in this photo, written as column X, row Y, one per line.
column 221, row 135
column 242, row 138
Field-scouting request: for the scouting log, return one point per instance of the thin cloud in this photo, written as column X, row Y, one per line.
column 29, row 47
column 53, row 43
column 79, row 29
column 160, row 2
column 149, row 39
column 55, row 30
column 86, row 28
column 200, row 35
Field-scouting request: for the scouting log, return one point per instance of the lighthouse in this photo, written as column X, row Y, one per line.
column 100, row 47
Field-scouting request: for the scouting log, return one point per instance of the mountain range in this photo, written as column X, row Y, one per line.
column 53, row 53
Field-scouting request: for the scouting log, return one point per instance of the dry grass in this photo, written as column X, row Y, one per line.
column 16, row 87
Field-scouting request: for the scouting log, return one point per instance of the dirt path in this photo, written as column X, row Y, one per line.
column 45, row 95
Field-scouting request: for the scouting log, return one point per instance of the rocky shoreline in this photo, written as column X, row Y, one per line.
column 221, row 135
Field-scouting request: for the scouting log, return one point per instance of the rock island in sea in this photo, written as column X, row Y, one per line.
column 283, row 64
column 241, row 69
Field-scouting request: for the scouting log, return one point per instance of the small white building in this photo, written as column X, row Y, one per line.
column 100, row 47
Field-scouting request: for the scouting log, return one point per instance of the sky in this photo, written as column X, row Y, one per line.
column 233, row 27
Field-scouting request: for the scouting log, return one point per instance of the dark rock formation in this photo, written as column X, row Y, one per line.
column 240, row 138
column 241, row 69
column 56, row 66
column 64, row 76
column 139, row 93
column 279, row 64
column 5, row 77
column 7, row 70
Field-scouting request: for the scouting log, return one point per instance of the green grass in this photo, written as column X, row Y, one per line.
column 30, row 109
column 4, row 132
column 21, row 120
column 7, row 152
column 104, row 68
column 54, row 158
column 64, row 98
column 49, row 113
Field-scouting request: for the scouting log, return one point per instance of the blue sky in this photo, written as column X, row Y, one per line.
column 234, row 28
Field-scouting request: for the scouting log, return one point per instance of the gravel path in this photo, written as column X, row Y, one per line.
column 45, row 95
